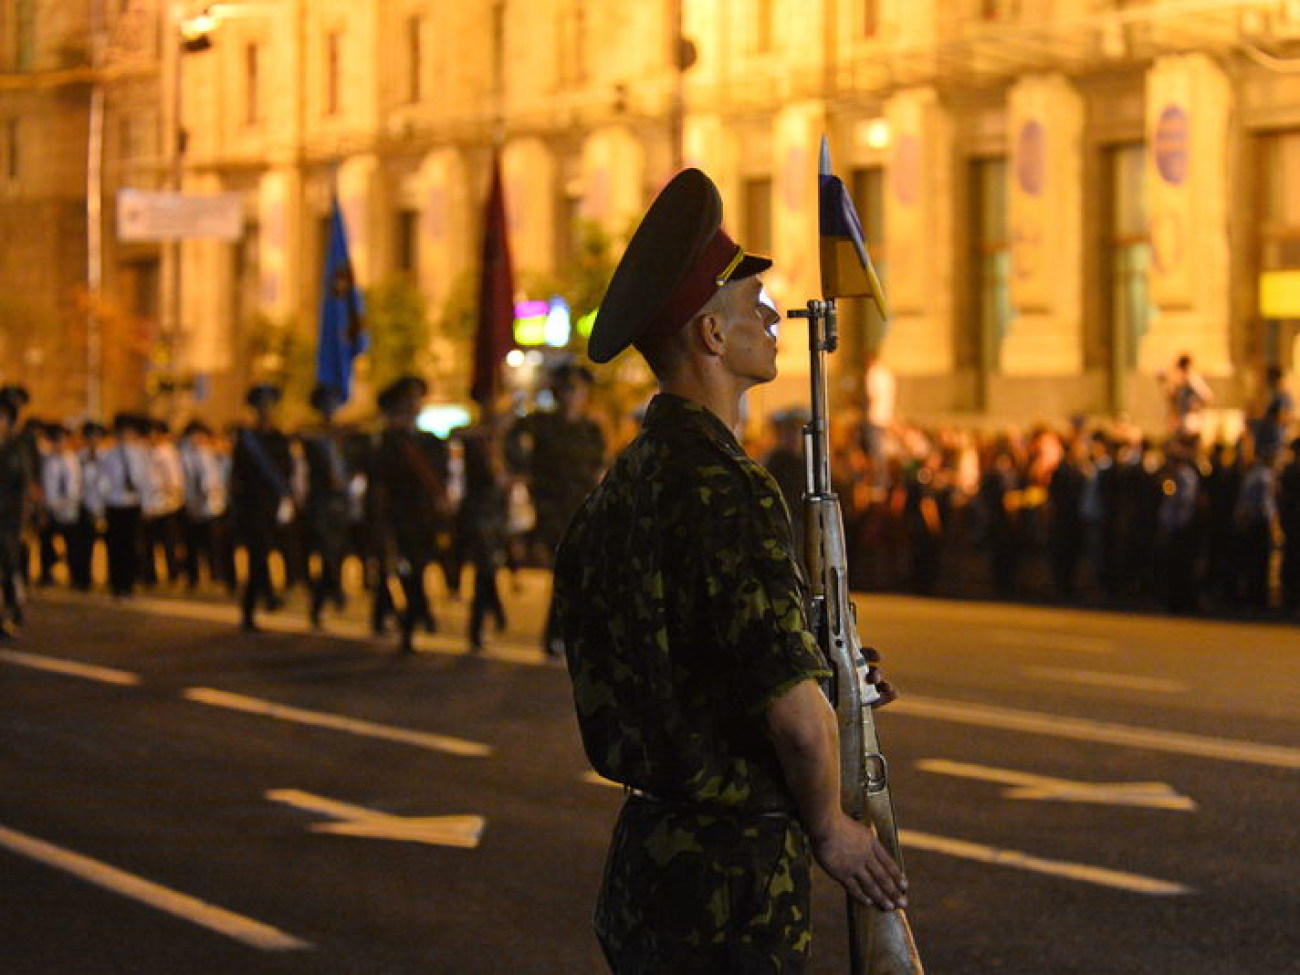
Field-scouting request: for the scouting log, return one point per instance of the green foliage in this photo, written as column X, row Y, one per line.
column 282, row 353
column 397, row 318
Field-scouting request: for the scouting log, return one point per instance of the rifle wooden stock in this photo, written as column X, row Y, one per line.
column 880, row 942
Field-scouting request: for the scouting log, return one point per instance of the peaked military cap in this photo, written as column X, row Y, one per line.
column 324, row 397
column 676, row 261
column 263, row 394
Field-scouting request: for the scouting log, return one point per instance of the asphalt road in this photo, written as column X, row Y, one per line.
column 1078, row 792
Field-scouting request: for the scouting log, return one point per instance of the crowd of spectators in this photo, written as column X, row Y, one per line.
column 1077, row 514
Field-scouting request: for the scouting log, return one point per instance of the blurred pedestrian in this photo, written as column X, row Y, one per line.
column 1186, row 396
column 206, row 500
column 124, row 475
column 90, row 521
column 785, row 462
column 1177, row 524
column 325, row 513
column 1270, row 418
column 1066, row 527
column 1288, row 504
column 15, row 475
column 62, row 489
column 481, row 530
column 409, row 482
column 1254, row 520
column 164, row 501
column 261, row 498
column 560, row 454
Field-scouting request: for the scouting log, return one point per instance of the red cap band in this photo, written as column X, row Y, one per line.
column 700, row 284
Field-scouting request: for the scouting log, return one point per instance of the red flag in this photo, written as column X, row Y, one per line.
column 494, row 336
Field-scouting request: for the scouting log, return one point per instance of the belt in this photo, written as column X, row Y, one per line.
column 705, row 808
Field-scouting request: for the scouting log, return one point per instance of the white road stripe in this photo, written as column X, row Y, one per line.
column 1039, row 723
column 70, row 668
column 1047, row 640
column 1097, row 678
column 236, row 926
column 1101, row 876
column 335, row 722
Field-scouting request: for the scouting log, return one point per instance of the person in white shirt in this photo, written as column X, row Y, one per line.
column 62, row 489
column 81, row 547
column 205, row 500
column 164, row 498
column 124, row 478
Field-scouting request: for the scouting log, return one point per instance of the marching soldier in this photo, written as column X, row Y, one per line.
column 260, row 497
column 561, row 454
column 325, row 514
column 408, row 484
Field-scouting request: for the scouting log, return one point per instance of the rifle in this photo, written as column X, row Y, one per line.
column 880, row 942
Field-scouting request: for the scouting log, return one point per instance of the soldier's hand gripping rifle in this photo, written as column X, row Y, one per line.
column 880, row 942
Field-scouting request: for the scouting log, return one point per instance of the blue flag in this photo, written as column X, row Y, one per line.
column 847, row 271
column 342, row 323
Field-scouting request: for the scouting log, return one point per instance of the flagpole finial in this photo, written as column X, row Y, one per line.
column 824, row 162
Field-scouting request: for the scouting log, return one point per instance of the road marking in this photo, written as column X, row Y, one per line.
column 460, row 831
column 1037, row 722
column 1098, row 678
column 335, row 722
column 295, row 623
column 1101, row 876
column 57, row 665
column 236, row 926
column 1047, row 640
column 1024, row 785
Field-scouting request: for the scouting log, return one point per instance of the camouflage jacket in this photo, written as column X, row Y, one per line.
column 682, row 611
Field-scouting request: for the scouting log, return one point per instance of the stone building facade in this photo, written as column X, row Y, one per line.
column 1063, row 195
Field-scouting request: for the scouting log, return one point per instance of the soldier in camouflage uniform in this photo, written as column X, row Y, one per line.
column 681, row 609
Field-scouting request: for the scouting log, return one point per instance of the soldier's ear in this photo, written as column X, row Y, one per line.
column 709, row 332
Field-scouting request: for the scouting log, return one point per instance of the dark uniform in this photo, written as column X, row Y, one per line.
column 15, row 481
column 481, row 529
column 409, row 505
column 681, row 609
column 326, row 509
column 563, row 459
column 260, row 477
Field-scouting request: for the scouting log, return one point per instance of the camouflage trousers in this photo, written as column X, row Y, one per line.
column 686, row 891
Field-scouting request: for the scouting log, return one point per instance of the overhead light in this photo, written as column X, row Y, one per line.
column 196, row 32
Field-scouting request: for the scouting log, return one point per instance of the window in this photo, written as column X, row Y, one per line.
column 991, row 261
column 757, row 209
column 414, row 58
column 999, row 9
column 1126, row 261
column 333, row 46
column 763, row 27
column 252, row 84
column 572, row 49
column 1280, row 186
column 498, row 41
column 870, row 17
column 12, row 150
column 23, row 37
column 406, row 243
